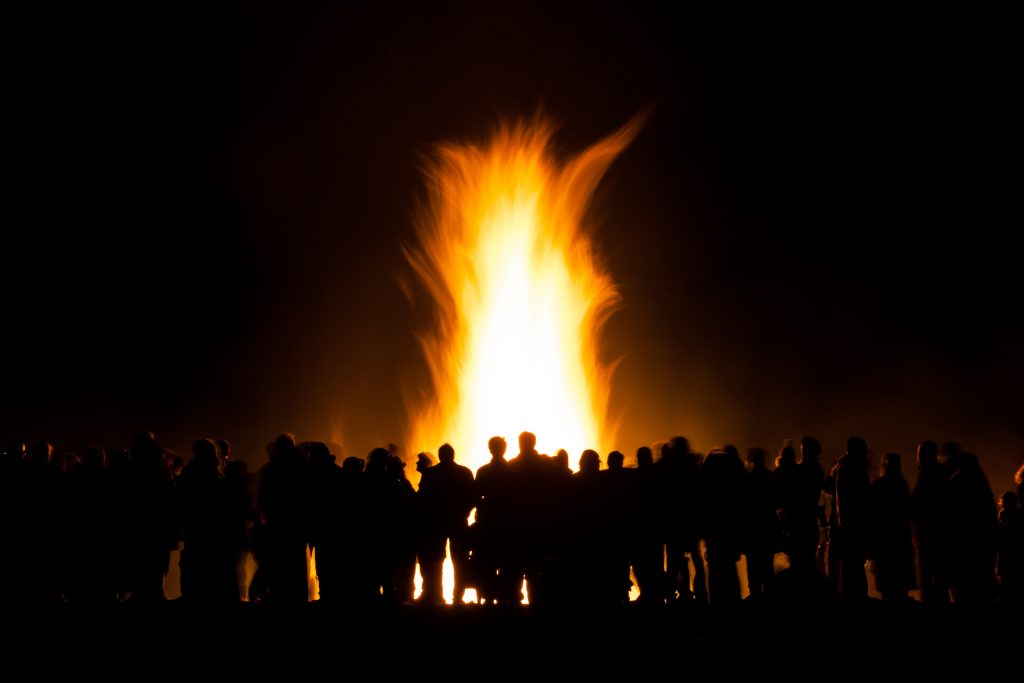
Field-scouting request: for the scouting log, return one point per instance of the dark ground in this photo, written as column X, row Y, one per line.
column 807, row 642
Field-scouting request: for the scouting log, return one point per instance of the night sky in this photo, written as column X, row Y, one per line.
column 204, row 227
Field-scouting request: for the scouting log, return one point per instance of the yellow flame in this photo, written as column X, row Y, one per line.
column 520, row 296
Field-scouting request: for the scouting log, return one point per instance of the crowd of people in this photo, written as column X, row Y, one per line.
column 100, row 528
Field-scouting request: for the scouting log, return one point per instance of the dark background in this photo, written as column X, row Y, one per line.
column 813, row 233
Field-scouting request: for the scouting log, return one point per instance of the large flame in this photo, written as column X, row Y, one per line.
column 520, row 296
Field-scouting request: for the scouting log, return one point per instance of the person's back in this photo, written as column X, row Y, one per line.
column 894, row 554
column 283, row 502
column 853, row 518
column 446, row 497
column 1010, row 566
column 494, row 521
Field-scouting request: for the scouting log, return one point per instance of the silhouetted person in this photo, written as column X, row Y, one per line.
column 89, row 549
column 16, row 562
column 682, row 507
column 40, row 512
column 119, row 491
column 1018, row 479
column 853, row 519
column 325, row 520
column 404, row 537
column 723, row 478
column 240, row 485
column 150, row 520
column 647, row 547
column 930, row 514
column 792, row 507
column 1010, row 566
column 379, row 493
column 974, row 533
column 616, row 490
column 893, row 550
column 447, row 497
column 209, row 525
column 586, row 554
column 495, row 510
column 762, row 537
column 353, row 544
column 227, row 455
column 804, row 514
column 282, row 502
column 535, row 482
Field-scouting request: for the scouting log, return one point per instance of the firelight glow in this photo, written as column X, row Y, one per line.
column 520, row 296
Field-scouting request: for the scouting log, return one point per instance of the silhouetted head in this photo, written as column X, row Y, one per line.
column 42, row 451
column 1008, row 501
column 225, row 449
column 424, row 462
column 120, row 457
column 284, row 445
column 320, row 454
column 377, row 461
column 679, row 445
column 949, row 454
column 787, row 454
column 616, row 460
column 927, row 453
column 562, row 459
column 497, row 446
column 205, row 455
column 396, row 467
column 144, row 445
column 857, row 449
column 95, row 458
column 527, row 442
column 446, row 453
column 236, row 469
column 969, row 462
column 644, row 457
column 810, row 449
column 172, row 463
column 352, row 465
column 892, row 465
column 590, row 462
column 756, row 458
column 15, row 450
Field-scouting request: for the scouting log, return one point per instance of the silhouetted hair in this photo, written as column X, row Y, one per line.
column 225, row 448
column 857, row 447
column 892, row 464
column 590, row 461
column 446, row 453
column 644, row 456
column 319, row 453
column 757, row 457
column 616, row 460
column 527, row 442
column 377, row 460
column 95, row 457
column 562, row 458
column 679, row 445
column 204, row 454
column 497, row 446
column 787, row 454
column 352, row 464
column 42, row 451
column 810, row 448
column 927, row 452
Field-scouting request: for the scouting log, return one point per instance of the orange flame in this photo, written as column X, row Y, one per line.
column 520, row 295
